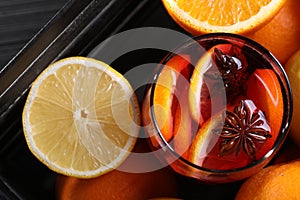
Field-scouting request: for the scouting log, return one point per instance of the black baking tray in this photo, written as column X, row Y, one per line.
column 75, row 30
column 20, row 20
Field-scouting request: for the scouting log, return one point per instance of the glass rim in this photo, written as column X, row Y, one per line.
column 287, row 102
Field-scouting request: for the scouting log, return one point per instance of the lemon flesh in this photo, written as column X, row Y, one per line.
column 81, row 117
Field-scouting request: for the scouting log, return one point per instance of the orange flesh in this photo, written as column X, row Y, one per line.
column 200, row 100
column 264, row 89
column 222, row 12
column 183, row 126
column 165, row 93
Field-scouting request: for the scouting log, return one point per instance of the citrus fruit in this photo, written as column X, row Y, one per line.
column 81, row 117
column 166, row 92
column 281, row 35
column 199, row 94
column 263, row 88
column 206, row 148
column 205, row 140
column 119, row 185
column 204, row 16
column 184, row 130
column 207, row 94
column 281, row 181
column 292, row 69
column 233, row 138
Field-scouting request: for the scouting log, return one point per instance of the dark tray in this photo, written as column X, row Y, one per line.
column 76, row 30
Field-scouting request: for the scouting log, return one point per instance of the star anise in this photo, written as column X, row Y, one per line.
column 232, row 70
column 243, row 128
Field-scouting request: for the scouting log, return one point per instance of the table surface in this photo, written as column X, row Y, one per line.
column 20, row 20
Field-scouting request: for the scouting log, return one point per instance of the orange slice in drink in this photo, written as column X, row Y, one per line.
column 184, row 129
column 166, row 92
column 204, row 16
column 202, row 104
column 232, row 139
column 264, row 89
column 205, row 140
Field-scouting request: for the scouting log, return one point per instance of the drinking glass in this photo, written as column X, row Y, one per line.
column 217, row 108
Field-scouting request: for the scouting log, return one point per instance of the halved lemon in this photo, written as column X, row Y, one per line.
column 81, row 117
column 204, row 16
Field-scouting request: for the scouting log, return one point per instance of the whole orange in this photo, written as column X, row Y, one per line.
column 281, row 181
column 119, row 185
column 281, row 35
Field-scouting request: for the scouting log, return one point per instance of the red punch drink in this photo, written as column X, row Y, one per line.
column 218, row 109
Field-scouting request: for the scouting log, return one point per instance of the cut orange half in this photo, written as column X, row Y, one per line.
column 204, row 16
column 81, row 117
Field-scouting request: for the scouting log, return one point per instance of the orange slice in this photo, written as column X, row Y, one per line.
column 184, row 131
column 202, row 104
column 205, row 140
column 81, row 117
column 264, row 89
column 224, row 143
column 204, row 16
column 166, row 92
